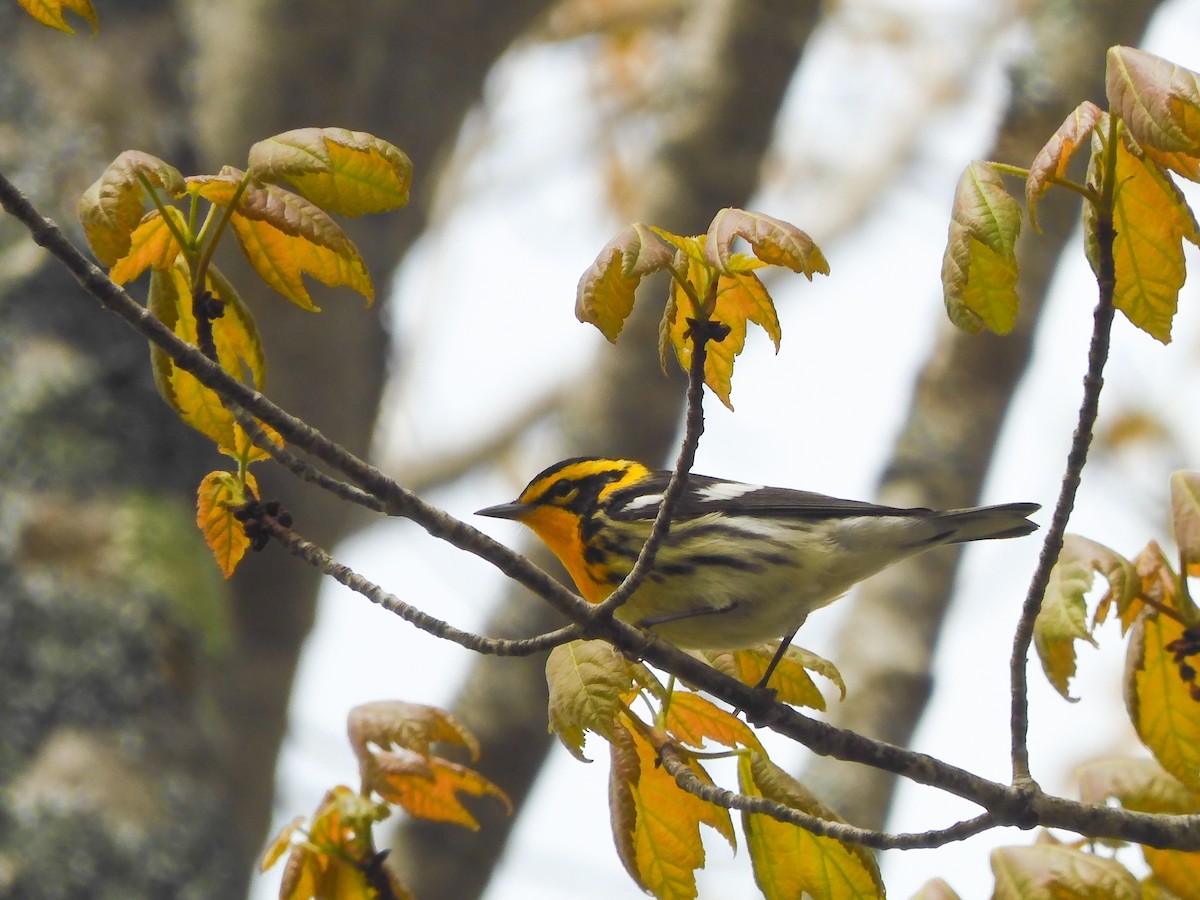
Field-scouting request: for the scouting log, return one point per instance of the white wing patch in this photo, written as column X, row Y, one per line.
column 644, row 500
column 726, row 490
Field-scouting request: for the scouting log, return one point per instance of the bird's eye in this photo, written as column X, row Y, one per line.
column 563, row 492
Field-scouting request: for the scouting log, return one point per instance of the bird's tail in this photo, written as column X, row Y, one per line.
column 984, row 523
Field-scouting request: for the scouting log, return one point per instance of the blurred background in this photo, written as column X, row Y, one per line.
column 156, row 723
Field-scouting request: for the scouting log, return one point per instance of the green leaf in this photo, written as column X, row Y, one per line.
column 790, row 862
column 1052, row 160
column 979, row 268
column 606, row 290
column 50, row 12
column 773, row 241
column 588, row 681
column 111, row 209
column 346, row 172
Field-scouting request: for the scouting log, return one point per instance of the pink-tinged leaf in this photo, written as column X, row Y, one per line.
column 346, row 172
column 605, row 294
column 979, row 269
column 1048, row 871
column 773, row 241
column 1158, row 101
column 111, row 209
column 1052, row 160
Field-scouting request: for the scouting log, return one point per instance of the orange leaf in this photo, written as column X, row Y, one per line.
column 694, row 719
column 1052, row 160
column 605, row 294
column 50, row 12
column 218, row 494
column 428, row 787
column 790, row 680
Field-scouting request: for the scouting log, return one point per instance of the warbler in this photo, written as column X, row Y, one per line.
column 742, row 564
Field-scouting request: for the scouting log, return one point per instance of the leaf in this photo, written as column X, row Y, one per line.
column 1161, row 706
column 791, row 862
column 739, row 298
column 218, row 495
column 238, row 345
column 656, row 824
column 1052, row 160
column 1062, row 619
column 281, row 844
column 412, row 726
column 935, row 889
column 111, row 209
column 346, row 172
column 1151, row 219
column 588, row 681
column 1139, row 784
column 979, row 268
column 50, row 12
column 694, row 719
column 152, row 245
column 790, row 680
column 604, row 297
column 1158, row 101
column 429, row 787
column 1057, row 872
column 285, row 236
column 774, row 241
column 1185, row 514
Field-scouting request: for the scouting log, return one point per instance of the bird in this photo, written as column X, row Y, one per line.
column 742, row 564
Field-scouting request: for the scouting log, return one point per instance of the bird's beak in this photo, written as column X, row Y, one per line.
column 512, row 510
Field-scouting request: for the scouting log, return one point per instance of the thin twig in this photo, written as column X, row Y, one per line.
column 701, row 333
column 319, row 559
column 1076, row 459
column 840, row 831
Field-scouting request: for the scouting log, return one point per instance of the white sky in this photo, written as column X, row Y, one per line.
column 530, row 202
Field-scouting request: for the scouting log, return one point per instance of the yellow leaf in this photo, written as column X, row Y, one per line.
column 1062, row 619
column 239, row 352
column 1152, row 220
column 151, row 245
column 774, row 241
column 1160, row 702
column 1185, row 514
column 111, row 209
column 740, row 298
column 347, row 172
column 605, row 294
column 694, row 719
column 979, row 268
column 790, row 862
column 285, row 236
column 281, row 844
column 50, row 12
column 225, row 536
column 1052, row 160
column 656, row 824
column 1057, row 872
column 790, row 680
column 1158, row 101
column 587, row 681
